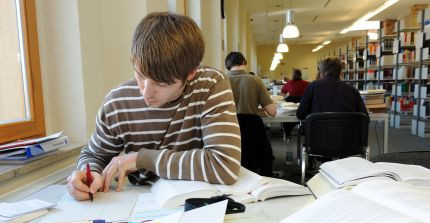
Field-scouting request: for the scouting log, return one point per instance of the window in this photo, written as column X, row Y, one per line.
column 21, row 99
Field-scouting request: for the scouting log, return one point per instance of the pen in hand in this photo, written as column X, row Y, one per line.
column 89, row 180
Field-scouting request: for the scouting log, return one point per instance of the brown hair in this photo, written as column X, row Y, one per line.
column 167, row 46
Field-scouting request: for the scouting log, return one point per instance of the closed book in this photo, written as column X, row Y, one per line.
column 374, row 101
column 26, row 152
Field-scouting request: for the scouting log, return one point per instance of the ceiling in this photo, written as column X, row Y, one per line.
column 317, row 20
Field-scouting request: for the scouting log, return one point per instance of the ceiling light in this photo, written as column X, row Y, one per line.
column 282, row 47
column 278, row 56
column 317, row 48
column 290, row 30
column 327, row 42
column 367, row 16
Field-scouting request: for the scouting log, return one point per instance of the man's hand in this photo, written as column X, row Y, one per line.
column 77, row 186
column 119, row 166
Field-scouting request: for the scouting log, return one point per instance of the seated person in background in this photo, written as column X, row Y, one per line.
column 330, row 94
column 295, row 88
column 248, row 90
column 174, row 119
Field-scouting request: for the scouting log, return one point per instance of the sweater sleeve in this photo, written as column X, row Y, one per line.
column 103, row 145
column 219, row 159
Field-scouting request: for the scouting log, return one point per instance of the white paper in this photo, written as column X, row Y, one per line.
column 10, row 210
column 213, row 213
column 110, row 206
column 145, row 210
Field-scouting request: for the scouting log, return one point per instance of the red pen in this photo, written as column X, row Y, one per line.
column 89, row 180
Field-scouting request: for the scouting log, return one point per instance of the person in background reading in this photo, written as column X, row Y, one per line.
column 329, row 93
column 294, row 89
column 174, row 119
column 248, row 90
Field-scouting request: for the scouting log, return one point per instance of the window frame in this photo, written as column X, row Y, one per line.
column 36, row 126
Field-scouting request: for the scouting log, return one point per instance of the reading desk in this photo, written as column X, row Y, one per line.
column 274, row 209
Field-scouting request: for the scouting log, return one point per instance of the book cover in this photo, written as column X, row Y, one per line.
column 25, row 152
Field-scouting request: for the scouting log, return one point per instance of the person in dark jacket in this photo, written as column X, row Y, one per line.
column 330, row 94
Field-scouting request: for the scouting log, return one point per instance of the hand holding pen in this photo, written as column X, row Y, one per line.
column 89, row 181
column 80, row 188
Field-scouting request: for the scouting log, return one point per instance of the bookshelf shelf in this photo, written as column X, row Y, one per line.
column 410, row 29
column 420, row 122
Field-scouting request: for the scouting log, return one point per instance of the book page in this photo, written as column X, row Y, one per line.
column 278, row 187
column 246, row 182
column 352, row 168
column 342, row 206
column 244, row 198
column 414, row 174
column 319, row 185
column 402, row 197
column 173, row 193
column 110, row 206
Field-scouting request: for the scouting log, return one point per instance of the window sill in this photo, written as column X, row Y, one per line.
column 39, row 173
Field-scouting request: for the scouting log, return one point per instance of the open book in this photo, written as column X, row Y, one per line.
column 371, row 201
column 353, row 170
column 249, row 187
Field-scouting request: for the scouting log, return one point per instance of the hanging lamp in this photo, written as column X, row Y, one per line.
column 282, row 47
column 290, row 30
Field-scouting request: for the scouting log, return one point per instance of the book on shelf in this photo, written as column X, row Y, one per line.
column 374, row 101
column 354, row 170
column 249, row 187
column 25, row 152
column 371, row 201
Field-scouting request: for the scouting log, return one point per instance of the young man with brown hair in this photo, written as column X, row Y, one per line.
column 175, row 119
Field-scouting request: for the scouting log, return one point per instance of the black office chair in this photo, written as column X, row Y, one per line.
column 335, row 135
column 257, row 154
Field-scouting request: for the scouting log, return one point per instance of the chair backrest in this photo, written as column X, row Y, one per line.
column 336, row 134
column 256, row 154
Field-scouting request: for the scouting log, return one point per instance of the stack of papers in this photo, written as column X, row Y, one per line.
column 287, row 107
column 26, row 150
column 23, row 211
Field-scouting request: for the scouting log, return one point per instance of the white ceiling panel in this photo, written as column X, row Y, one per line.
column 317, row 20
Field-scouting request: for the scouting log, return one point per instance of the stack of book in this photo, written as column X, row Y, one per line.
column 374, row 100
column 27, row 150
column 356, row 190
column 349, row 172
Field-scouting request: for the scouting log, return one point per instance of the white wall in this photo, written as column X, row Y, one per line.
column 61, row 67
column 207, row 15
column 84, row 52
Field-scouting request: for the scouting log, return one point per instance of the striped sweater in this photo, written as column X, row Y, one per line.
column 196, row 137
